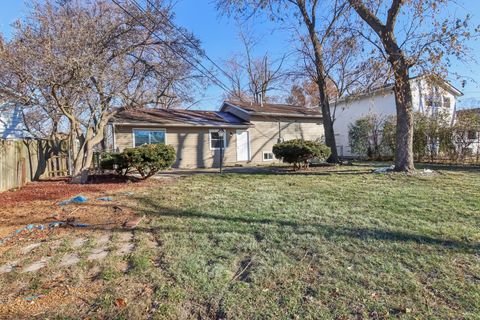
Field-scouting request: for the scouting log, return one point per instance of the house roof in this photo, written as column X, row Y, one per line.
column 178, row 117
column 274, row 109
column 389, row 87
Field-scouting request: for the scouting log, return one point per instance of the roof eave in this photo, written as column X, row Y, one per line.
column 182, row 125
column 289, row 115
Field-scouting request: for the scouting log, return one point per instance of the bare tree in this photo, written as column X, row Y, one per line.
column 419, row 39
column 254, row 78
column 78, row 64
column 319, row 19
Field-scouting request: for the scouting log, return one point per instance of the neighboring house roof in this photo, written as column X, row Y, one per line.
column 178, row 118
column 389, row 88
column 269, row 109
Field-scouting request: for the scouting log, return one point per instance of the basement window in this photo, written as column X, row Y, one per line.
column 268, row 156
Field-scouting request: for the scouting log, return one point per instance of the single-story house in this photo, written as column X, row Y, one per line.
column 430, row 96
column 250, row 131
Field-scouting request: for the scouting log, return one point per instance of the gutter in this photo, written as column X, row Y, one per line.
column 288, row 115
column 152, row 124
column 274, row 114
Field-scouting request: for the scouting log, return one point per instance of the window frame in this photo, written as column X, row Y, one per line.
column 225, row 145
column 472, row 135
column 149, row 130
column 267, row 152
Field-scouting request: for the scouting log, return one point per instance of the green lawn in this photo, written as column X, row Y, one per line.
column 308, row 246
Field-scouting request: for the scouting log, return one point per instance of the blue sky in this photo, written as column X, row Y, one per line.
column 219, row 37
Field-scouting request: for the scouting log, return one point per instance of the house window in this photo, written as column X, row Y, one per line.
column 268, row 156
column 141, row 137
column 446, row 103
column 472, row 135
column 216, row 142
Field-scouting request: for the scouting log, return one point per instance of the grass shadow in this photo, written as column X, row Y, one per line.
column 205, row 222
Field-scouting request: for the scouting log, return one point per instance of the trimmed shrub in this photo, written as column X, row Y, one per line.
column 300, row 152
column 149, row 159
column 114, row 161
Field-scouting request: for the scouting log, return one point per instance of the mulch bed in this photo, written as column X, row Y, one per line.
column 60, row 189
column 38, row 204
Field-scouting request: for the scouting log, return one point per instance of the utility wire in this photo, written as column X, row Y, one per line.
column 189, row 40
column 223, row 86
column 211, row 77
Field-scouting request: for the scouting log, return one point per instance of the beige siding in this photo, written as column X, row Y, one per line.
column 264, row 135
column 193, row 144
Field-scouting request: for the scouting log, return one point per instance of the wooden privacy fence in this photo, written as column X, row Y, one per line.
column 22, row 161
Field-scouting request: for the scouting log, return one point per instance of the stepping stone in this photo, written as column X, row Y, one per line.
column 103, row 239
column 97, row 254
column 37, row 265
column 29, row 248
column 55, row 245
column 6, row 268
column 125, row 237
column 126, row 248
column 77, row 243
column 132, row 224
column 69, row 260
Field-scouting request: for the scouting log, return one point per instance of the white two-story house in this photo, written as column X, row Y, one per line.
column 429, row 95
column 12, row 126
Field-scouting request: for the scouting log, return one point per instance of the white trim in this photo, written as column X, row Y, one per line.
column 144, row 129
column 225, row 145
column 249, row 147
column 267, row 160
column 114, row 137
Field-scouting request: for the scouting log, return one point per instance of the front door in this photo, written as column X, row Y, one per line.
column 243, row 145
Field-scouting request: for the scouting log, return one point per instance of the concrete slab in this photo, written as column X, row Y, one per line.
column 29, row 248
column 97, row 254
column 8, row 267
column 102, row 239
column 69, row 260
column 126, row 248
column 125, row 236
column 77, row 243
column 34, row 267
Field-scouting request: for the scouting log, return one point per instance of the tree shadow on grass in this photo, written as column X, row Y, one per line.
column 275, row 171
column 215, row 223
column 423, row 165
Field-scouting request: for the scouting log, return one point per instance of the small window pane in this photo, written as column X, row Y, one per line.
column 141, row 137
column 446, row 103
column 157, row 137
column 215, row 141
column 267, row 156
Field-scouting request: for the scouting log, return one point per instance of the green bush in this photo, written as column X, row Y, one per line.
column 365, row 137
column 114, row 161
column 300, row 152
column 149, row 159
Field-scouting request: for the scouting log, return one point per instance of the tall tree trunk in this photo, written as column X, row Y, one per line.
column 321, row 81
column 403, row 99
column 328, row 124
column 402, row 89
